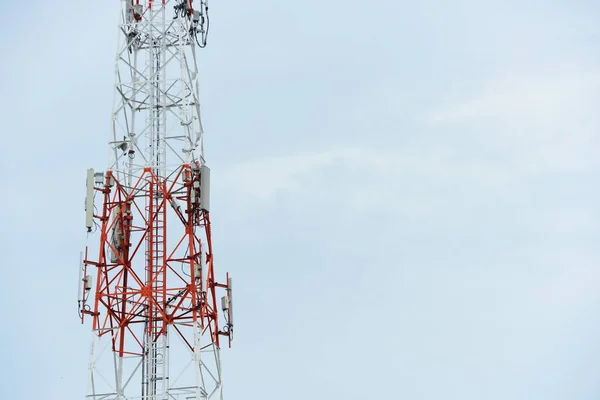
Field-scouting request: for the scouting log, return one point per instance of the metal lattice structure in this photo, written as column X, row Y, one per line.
column 148, row 282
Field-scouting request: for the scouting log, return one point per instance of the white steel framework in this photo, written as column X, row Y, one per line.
column 149, row 284
column 156, row 117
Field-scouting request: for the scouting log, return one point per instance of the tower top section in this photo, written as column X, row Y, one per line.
column 156, row 119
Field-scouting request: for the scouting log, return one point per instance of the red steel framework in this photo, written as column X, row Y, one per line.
column 123, row 298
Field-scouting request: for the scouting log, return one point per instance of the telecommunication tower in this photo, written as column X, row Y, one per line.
column 147, row 281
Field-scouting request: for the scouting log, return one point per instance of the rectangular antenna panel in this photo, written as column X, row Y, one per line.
column 230, row 294
column 89, row 200
column 205, row 188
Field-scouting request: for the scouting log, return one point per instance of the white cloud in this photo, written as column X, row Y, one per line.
column 362, row 178
column 528, row 101
column 538, row 125
column 546, row 123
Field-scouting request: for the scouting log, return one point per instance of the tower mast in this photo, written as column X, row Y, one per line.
column 147, row 281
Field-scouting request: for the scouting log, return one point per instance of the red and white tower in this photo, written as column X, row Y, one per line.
column 148, row 283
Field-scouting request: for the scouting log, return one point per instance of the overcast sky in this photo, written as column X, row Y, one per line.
column 406, row 194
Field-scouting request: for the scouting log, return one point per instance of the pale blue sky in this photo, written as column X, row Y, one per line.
column 406, row 195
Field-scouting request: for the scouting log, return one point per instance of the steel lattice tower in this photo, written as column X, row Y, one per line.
column 148, row 282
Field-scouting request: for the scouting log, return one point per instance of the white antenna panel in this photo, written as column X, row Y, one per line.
column 205, row 188
column 89, row 200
